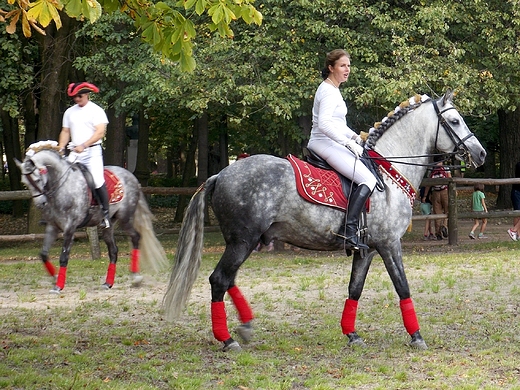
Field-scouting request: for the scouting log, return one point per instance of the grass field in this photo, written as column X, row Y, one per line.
column 466, row 300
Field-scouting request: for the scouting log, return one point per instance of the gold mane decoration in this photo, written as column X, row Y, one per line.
column 41, row 145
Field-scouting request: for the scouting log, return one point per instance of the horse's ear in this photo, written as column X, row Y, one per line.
column 448, row 97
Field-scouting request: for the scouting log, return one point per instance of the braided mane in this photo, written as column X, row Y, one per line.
column 393, row 116
column 41, row 145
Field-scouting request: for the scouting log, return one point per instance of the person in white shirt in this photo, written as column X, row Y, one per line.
column 336, row 143
column 84, row 125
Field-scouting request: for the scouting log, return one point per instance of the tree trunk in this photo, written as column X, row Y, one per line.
column 11, row 140
column 509, row 138
column 115, row 140
column 189, row 172
column 55, row 48
column 142, row 167
column 201, row 125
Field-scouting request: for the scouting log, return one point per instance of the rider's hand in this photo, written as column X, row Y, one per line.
column 354, row 148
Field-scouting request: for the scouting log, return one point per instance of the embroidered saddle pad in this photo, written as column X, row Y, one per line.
column 115, row 188
column 318, row 185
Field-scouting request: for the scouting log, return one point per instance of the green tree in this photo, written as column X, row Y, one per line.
column 168, row 27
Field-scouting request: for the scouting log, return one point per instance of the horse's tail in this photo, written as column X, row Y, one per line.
column 152, row 253
column 189, row 253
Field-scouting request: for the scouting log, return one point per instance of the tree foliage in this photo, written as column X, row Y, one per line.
column 168, row 28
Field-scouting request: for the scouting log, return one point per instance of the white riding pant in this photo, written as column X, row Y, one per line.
column 92, row 158
column 343, row 160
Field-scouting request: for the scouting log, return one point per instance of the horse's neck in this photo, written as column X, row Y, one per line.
column 56, row 166
column 409, row 140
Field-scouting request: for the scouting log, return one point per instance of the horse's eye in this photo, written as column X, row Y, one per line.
column 455, row 122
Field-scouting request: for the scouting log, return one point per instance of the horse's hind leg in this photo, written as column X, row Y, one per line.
column 393, row 260
column 222, row 280
column 108, row 237
column 135, row 237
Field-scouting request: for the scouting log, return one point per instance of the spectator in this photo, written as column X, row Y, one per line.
column 439, row 196
column 515, row 199
column 478, row 204
column 426, row 209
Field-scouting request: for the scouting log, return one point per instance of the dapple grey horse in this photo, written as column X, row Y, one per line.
column 60, row 190
column 255, row 199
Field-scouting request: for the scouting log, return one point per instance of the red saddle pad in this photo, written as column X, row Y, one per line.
column 115, row 188
column 318, row 185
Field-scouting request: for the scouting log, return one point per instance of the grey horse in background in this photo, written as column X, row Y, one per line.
column 60, row 190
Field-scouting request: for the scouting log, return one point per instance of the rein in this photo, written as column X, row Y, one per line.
column 49, row 192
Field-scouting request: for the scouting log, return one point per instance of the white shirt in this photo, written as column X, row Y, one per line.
column 82, row 121
column 328, row 115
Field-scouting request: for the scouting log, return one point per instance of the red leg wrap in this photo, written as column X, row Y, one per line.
column 348, row 319
column 111, row 274
column 62, row 274
column 134, row 261
column 409, row 317
column 50, row 268
column 245, row 314
column 219, row 321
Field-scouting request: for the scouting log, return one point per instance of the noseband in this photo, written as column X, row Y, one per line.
column 460, row 147
column 41, row 191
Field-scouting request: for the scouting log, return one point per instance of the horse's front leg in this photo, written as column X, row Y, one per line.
column 108, row 237
column 393, row 260
column 50, row 236
column 68, row 238
column 358, row 277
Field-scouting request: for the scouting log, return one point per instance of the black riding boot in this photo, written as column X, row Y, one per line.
column 355, row 207
column 102, row 193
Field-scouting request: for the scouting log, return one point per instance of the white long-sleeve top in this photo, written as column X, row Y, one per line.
column 329, row 115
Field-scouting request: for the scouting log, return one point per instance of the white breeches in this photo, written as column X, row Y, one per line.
column 343, row 161
column 92, row 158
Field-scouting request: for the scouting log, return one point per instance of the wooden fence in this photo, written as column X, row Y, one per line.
column 453, row 214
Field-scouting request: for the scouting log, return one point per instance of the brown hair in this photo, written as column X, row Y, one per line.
column 478, row 187
column 331, row 59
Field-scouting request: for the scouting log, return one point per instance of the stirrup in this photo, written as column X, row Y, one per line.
column 105, row 223
column 352, row 243
column 356, row 245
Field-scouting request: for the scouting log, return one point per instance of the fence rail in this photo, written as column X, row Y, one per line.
column 453, row 214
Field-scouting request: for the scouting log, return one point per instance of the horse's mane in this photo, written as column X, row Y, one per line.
column 41, row 145
column 401, row 110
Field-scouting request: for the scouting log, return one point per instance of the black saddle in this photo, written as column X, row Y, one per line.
column 312, row 158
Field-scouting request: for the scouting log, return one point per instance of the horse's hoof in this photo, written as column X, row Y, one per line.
column 355, row 341
column 55, row 290
column 418, row 342
column 245, row 331
column 137, row 280
column 106, row 286
column 231, row 345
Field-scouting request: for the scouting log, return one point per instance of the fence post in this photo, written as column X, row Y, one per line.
column 453, row 230
column 93, row 238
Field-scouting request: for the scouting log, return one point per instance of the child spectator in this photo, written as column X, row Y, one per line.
column 479, row 205
column 426, row 209
column 515, row 199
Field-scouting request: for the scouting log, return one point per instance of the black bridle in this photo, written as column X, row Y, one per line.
column 460, row 147
column 45, row 191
